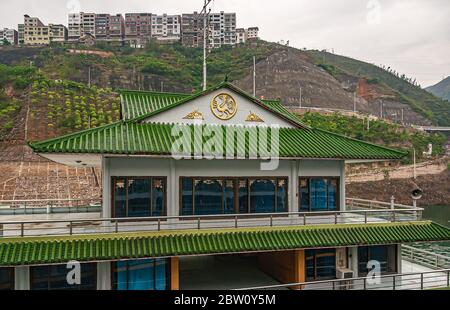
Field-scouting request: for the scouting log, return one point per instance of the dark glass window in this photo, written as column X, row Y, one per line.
column 320, row 264
column 208, row 197
column 143, row 275
column 6, row 279
column 319, row 194
column 204, row 196
column 54, row 277
column 262, row 196
column 385, row 255
column 139, row 197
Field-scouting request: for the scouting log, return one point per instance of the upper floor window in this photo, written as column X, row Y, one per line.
column 54, row 277
column 139, row 196
column 6, row 279
column 319, row 194
column 209, row 196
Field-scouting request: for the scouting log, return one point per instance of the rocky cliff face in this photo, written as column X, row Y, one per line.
column 283, row 75
column 289, row 72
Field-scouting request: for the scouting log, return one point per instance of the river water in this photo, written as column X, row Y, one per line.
column 440, row 215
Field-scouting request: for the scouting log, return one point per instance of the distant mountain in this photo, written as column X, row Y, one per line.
column 441, row 89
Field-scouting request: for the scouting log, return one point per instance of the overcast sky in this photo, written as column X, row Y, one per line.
column 411, row 36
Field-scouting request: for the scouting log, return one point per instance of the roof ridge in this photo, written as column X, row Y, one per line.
column 130, row 91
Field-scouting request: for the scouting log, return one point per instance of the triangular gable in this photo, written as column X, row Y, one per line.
column 191, row 109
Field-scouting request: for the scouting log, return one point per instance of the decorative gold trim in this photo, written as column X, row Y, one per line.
column 224, row 107
column 195, row 115
column 252, row 117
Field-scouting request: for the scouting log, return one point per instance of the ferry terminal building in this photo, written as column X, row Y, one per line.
column 169, row 223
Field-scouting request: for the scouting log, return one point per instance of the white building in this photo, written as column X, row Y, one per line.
column 190, row 187
column 253, row 33
column 166, row 28
column 222, row 29
column 9, row 35
column 80, row 24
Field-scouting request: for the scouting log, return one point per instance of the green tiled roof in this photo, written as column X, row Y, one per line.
column 134, row 137
column 140, row 105
column 50, row 250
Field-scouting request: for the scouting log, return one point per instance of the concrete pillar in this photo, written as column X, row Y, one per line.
column 342, row 187
column 172, row 190
column 22, row 278
column 106, row 198
column 399, row 258
column 104, row 276
column 353, row 259
column 293, row 186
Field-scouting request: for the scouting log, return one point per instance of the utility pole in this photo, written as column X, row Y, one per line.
column 403, row 122
column 205, row 16
column 254, row 76
column 354, row 102
column 414, row 164
column 89, row 77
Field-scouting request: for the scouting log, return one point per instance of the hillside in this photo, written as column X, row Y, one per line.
column 44, row 92
column 394, row 89
column 441, row 89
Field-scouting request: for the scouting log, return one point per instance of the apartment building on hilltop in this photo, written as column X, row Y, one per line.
column 243, row 35
column 10, row 36
column 138, row 28
column 166, row 28
column 81, row 24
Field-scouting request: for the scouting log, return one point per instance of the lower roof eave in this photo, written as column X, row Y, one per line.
column 95, row 159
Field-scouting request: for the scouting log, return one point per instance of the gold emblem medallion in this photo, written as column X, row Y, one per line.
column 224, row 107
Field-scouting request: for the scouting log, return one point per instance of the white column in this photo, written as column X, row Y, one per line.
column 353, row 259
column 342, row 186
column 104, row 276
column 293, row 186
column 399, row 258
column 172, row 202
column 106, row 200
column 22, row 278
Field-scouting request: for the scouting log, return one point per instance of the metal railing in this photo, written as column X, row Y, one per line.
column 47, row 206
column 364, row 204
column 405, row 281
column 425, row 258
column 148, row 224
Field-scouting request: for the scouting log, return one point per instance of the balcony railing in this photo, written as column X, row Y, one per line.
column 406, row 281
column 48, row 206
column 149, row 224
column 425, row 258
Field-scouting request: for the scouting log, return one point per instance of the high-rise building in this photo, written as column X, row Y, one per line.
column 58, row 33
column 81, row 24
column 241, row 35
column 35, row 32
column 166, row 28
column 138, row 28
column 21, row 33
column 222, row 29
column 109, row 27
column 192, row 29
column 10, row 36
